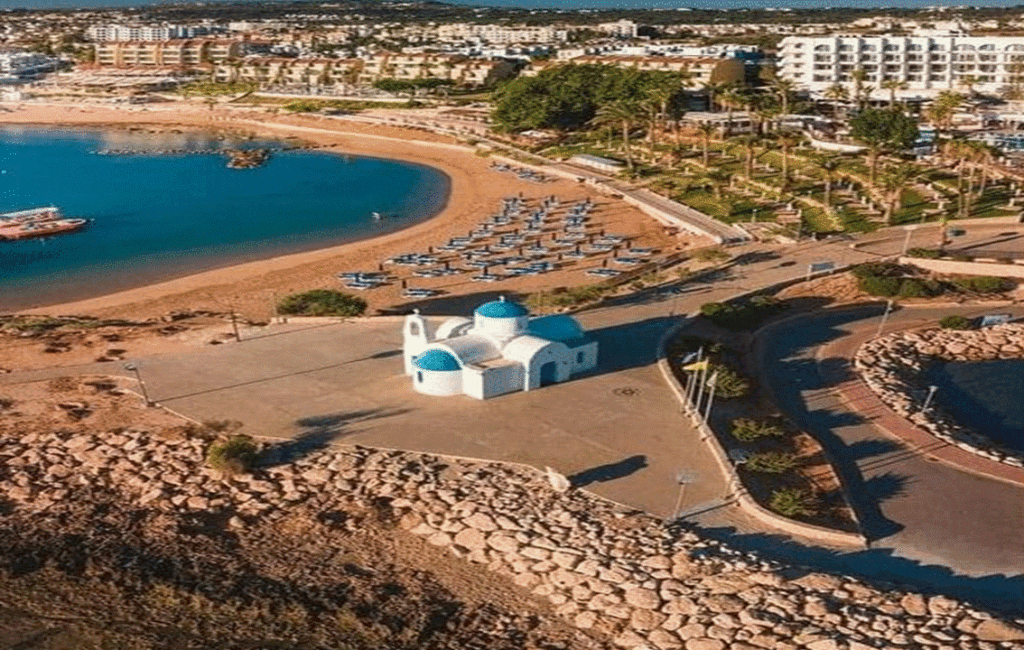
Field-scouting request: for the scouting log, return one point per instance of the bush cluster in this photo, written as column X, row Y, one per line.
column 235, row 455
column 742, row 314
column 793, row 502
column 321, row 302
column 955, row 322
column 981, row 284
column 748, row 430
column 889, row 281
column 771, row 462
column 925, row 253
column 729, row 384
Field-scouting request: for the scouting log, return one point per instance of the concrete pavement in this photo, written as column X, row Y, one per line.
column 910, row 505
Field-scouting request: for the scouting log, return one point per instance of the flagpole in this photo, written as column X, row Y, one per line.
column 711, row 398
column 703, row 385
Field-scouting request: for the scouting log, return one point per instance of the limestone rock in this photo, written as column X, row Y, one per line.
column 996, row 630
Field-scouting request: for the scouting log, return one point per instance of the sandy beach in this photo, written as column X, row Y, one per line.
column 252, row 288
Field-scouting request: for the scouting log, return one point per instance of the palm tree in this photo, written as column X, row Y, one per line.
column 749, row 144
column 836, row 92
column 828, row 166
column 624, row 115
column 786, row 142
column 718, row 178
column 707, row 129
column 712, row 89
column 892, row 85
column 893, row 183
column 858, row 77
column 730, row 97
column 783, row 89
column 658, row 99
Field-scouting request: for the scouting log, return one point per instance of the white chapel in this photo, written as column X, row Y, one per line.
column 502, row 350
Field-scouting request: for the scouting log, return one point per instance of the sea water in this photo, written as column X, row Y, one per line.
column 987, row 396
column 157, row 216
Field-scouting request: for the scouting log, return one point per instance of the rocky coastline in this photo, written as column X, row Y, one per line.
column 611, row 576
column 893, row 365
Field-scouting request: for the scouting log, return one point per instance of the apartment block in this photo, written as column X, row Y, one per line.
column 101, row 33
column 167, row 54
column 924, row 65
column 463, row 71
column 697, row 70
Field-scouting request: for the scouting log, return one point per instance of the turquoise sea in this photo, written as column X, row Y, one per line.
column 157, row 216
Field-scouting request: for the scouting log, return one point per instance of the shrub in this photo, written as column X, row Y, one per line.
column 925, row 253
column 771, row 462
column 729, row 384
column 793, row 502
column 712, row 254
column 914, row 288
column 955, row 322
column 981, row 284
column 743, row 314
column 236, row 455
column 875, row 285
column 878, row 270
column 748, row 430
column 322, row 302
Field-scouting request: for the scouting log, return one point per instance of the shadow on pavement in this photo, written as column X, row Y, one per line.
column 997, row 592
column 609, row 472
column 319, row 432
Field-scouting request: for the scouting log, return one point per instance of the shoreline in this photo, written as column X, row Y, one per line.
column 252, row 287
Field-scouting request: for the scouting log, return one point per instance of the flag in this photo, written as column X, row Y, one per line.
column 712, row 380
column 697, row 367
column 690, row 357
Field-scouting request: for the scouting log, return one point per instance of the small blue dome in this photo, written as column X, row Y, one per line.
column 502, row 309
column 436, row 360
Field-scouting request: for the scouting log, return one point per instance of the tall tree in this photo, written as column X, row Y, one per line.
column 749, row 144
column 894, row 182
column 836, row 92
column 829, row 167
column 881, row 130
column 787, row 140
column 892, row 85
column 624, row 114
column 707, row 129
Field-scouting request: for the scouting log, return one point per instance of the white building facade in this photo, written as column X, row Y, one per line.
column 925, row 64
column 501, row 350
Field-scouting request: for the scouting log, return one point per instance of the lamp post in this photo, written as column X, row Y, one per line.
column 711, row 398
column 683, row 478
column 906, row 240
column 134, row 367
column 928, row 400
column 885, row 317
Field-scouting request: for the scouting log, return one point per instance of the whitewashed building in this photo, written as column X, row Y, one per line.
column 924, row 64
column 501, row 350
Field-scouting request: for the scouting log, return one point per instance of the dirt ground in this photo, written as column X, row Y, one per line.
column 97, row 572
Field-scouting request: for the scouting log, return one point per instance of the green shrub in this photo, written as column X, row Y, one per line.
column 322, row 302
column 876, row 285
column 925, row 253
column 955, row 322
column 712, row 254
column 878, row 270
column 793, row 502
column 742, row 314
column 236, row 455
column 748, row 430
column 729, row 384
column 915, row 288
column 771, row 462
column 981, row 284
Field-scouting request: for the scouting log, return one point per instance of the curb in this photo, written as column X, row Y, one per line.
column 736, row 490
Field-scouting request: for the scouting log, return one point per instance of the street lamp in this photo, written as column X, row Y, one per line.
column 928, row 400
column 885, row 317
column 134, row 367
column 683, row 478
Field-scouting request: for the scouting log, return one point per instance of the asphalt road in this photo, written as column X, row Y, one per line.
column 911, row 506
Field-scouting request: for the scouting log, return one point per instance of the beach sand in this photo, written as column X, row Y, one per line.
column 252, row 288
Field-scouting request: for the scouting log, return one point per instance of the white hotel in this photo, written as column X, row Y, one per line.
column 927, row 64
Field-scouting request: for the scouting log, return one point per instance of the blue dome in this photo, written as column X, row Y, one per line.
column 436, row 360
column 502, row 309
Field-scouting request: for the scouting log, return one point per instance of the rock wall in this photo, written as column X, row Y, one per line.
column 892, row 367
column 603, row 568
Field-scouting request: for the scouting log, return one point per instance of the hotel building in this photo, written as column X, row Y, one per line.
column 926, row 64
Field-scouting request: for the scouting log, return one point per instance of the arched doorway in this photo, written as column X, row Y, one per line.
column 548, row 373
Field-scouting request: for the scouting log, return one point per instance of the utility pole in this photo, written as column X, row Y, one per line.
column 134, row 367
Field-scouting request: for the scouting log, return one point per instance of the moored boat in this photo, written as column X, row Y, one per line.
column 37, row 222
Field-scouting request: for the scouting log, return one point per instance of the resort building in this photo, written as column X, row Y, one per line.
column 502, row 350
column 501, row 34
column 101, row 33
column 328, row 73
column 698, row 70
column 21, row 64
column 167, row 54
column 920, row 66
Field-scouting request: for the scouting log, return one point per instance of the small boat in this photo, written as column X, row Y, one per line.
column 377, row 216
column 41, row 228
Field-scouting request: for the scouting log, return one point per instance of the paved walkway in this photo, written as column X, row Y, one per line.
column 911, row 505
